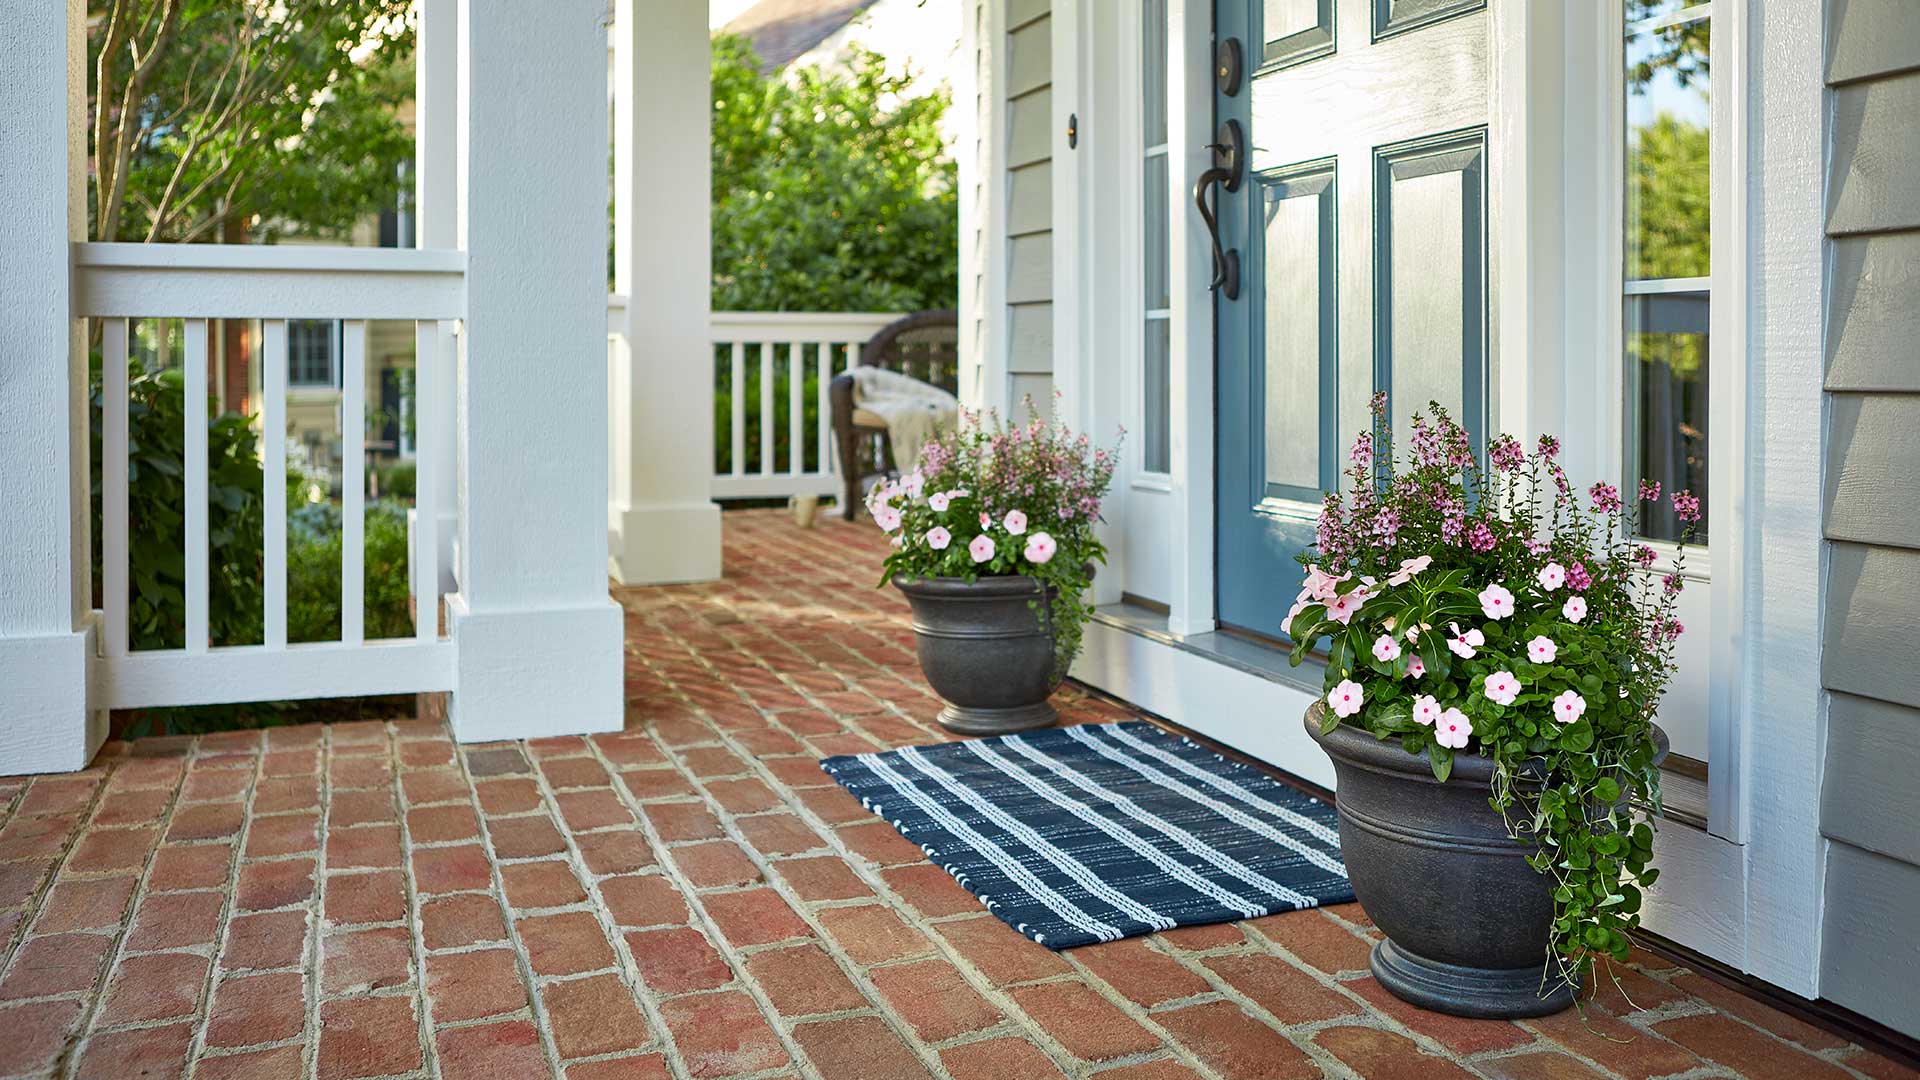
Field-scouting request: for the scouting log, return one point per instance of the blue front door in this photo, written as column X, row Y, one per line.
column 1359, row 229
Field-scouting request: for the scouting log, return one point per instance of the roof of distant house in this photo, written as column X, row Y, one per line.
column 782, row 30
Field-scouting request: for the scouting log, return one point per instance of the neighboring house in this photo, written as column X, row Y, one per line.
column 1538, row 214
column 920, row 38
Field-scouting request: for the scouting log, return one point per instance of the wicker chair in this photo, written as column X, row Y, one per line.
column 924, row 345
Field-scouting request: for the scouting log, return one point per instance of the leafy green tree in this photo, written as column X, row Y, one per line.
column 830, row 191
column 1669, row 199
column 266, row 113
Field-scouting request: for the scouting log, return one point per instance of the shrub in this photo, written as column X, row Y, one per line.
column 394, row 481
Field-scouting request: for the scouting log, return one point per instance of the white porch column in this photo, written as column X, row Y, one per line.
column 436, row 201
column 539, row 640
column 662, row 523
column 46, row 637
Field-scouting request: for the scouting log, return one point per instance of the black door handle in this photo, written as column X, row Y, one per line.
column 1226, row 264
column 1229, row 161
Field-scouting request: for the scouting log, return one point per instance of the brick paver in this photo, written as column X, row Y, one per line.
column 691, row 897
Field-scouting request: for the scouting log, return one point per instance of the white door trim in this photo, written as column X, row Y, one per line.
column 1189, row 131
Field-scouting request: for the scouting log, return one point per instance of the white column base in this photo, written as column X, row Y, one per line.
column 47, row 720
column 531, row 674
column 664, row 545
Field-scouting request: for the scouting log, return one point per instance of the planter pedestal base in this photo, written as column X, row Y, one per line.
column 1482, row 993
column 966, row 721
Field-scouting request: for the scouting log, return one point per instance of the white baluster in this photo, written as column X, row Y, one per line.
column 766, row 408
column 796, row 413
column 353, row 481
column 273, row 446
column 113, row 483
column 426, row 421
column 738, row 426
column 198, row 628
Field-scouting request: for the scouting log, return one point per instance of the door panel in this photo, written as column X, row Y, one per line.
column 1362, row 236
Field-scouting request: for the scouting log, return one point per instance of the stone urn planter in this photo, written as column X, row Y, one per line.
column 986, row 649
column 1466, row 919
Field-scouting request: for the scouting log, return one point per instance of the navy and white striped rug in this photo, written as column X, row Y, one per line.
column 1103, row 831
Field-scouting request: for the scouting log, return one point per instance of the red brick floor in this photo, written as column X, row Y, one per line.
column 690, row 898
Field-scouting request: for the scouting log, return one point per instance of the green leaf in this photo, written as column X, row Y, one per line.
column 1441, row 758
column 1328, row 721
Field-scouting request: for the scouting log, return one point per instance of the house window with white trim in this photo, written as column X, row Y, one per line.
column 1156, row 421
column 1667, row 264
column 313, row 354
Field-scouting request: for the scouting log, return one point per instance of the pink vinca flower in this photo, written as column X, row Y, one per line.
column 1426, row 709
column 1385, row 649
column 981, row 549
column 1452, row 729
column 940, row 500
column 1568, row 707
column 1464, row 645
column 1345, row 699
column 1501, row 688
column 1575, row 608
column 1408, row 568
column 938, row 538
column 1551, row 576
column 887, row 517
column 1015, row 521
column 1542, row 650
column 1496, row 601
column 1040, row 548
column 1341, row 608
column 913, row 484
column 1322, row 585
column 986, row 520
column 1415, row 668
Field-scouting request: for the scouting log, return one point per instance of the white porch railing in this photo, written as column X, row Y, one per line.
column 119, row 282
column 771, row 370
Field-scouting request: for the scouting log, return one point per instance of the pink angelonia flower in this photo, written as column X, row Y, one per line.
column 1501, row 688
column 1015, row 521
column 1385, row 649
column 1452, row 729
column 939, row 501
column 887, row 517
column 1040, row 548
column 986, row 520
column 1551, row 576
column 1416, row 668
column 1578, row 579
column 981, row 549
column 1568, row 707
column 1671, row 584
column 1644, row 555
column 1542, row 649
column 1496, row 601
column 1686, row 506
column 938, row 538
column 1575, row 608
column 1346, row 698
column 1426, row 709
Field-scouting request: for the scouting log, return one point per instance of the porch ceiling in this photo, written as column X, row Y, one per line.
column 691, row 897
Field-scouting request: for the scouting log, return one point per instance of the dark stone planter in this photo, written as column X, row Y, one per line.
column 985, row 650
column 1466, row 918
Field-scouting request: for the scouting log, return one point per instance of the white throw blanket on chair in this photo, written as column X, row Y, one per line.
column 913, row 411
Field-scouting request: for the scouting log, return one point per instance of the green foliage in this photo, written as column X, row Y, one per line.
column 829, row 190
column 1028, row 493
column 395, row 481
column 156, row 543
column 211, row 112
column 1668, row 200
column 1463, row 606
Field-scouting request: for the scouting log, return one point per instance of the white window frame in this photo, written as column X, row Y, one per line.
column 1720, row 571
column 332, row 384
